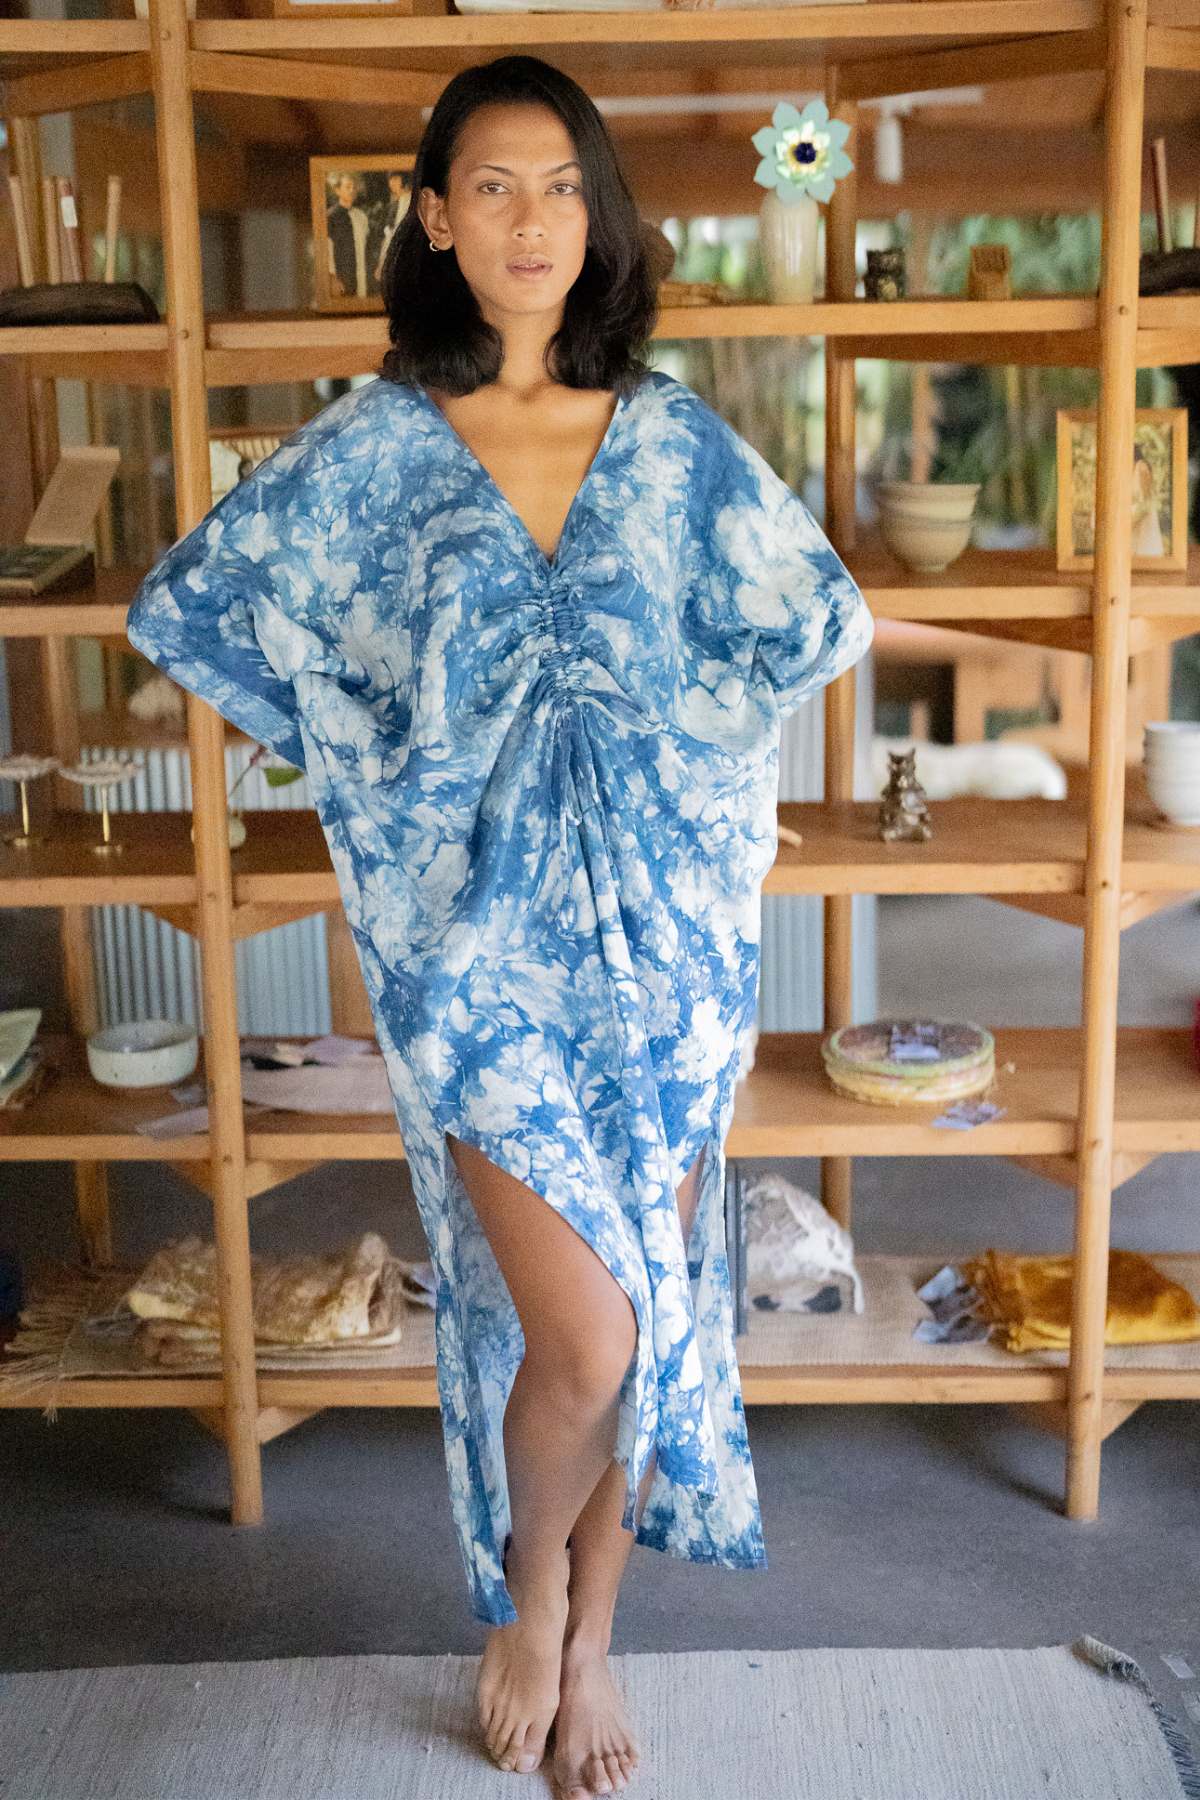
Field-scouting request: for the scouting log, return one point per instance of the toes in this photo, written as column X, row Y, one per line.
column 599, row 1779
column 509, row 1747
column 615, row 1773
column 530, row 1754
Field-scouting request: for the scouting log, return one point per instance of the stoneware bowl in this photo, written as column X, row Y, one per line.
column 1173, row 744
column 932, row 499
column 1178, row 799
column 145, row 1053
column 927, row 546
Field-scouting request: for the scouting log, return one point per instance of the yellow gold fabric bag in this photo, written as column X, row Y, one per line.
column 1029, row 1299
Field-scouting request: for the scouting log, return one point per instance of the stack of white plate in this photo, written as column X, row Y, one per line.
column 1171, row 755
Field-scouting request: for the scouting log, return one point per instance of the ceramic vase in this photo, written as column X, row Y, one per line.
column 787, row 237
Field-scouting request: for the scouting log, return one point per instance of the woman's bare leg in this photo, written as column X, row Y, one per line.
column 559, row 1431
column 595, row 1747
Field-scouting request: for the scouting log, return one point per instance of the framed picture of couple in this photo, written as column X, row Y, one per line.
column 357, row 203
column 1159, row 488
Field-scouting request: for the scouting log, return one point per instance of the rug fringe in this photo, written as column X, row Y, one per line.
column 61, row 1295
column 1119, row 1663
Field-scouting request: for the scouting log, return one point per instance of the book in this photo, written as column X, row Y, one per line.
column 44, row 568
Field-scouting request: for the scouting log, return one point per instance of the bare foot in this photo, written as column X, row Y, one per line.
column 517, row 1690
column 595, row 1747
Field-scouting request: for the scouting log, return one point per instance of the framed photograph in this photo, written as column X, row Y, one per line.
column 357, row 203
column 1158, row 489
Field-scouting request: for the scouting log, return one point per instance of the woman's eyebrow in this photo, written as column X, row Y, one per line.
column 557, row 169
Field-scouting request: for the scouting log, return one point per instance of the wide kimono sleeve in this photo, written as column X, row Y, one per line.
column 767, row 587
column 221, row 612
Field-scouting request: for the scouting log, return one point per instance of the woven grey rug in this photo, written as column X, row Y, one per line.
column 1075, row 1722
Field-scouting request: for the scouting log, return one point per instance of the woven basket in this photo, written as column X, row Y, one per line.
column 862, row 1061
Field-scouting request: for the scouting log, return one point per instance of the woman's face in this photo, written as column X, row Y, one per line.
column 515, row 193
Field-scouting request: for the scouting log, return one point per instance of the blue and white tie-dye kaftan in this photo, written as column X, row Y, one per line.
column 549, row 791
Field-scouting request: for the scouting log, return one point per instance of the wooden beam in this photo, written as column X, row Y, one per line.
column 1052, row 1416
column 83, row 84
column 288, row 78
column 1171, row 48
column 967, row 65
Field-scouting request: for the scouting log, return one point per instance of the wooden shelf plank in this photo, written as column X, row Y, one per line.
column 29, row 45
column 647, row 40
column 785, row 1107
column 97, row 608
column 1158, row 1091
column 1006, row 586
column 155, row 865
column 75, row 1118
column 1158, row 857
column 784, row 1358
column 128, row 1390
column 133, row 355
column 256, row 348
column 1009, row 585
column 249, row 348
column 979, row 846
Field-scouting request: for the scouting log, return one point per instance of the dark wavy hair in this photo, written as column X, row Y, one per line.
column 438, row 335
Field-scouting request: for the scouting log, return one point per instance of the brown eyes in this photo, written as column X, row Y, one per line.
column 572, row 186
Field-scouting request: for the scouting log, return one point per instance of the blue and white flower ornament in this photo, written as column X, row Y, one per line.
column 802, row 152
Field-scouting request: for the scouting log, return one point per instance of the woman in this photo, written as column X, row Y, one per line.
column 1147, row 529
column 529, row 613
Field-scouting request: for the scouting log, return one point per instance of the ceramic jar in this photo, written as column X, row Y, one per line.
column 787, row 237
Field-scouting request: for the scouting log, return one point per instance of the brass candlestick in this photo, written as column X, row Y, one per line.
column 104, row 773
column 24, row 769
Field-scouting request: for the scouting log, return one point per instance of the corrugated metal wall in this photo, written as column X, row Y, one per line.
column 147, row 969
column 790, row 997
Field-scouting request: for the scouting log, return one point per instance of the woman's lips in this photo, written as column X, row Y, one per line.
column 530, row 271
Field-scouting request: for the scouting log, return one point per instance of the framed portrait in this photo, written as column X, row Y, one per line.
column 357, row 203
column 1159, row 494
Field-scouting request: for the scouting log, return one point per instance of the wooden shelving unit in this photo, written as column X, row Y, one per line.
column 1085, row 1107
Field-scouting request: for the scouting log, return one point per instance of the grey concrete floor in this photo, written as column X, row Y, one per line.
column 919, row 1525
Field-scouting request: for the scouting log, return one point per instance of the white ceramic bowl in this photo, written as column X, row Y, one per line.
column 1170, row 768
column 1178, row 744
column 1174, row 768
column 1177, row 799
column 1172, row 730
column 143, row 1053
column 931, row 499
column 926, row 546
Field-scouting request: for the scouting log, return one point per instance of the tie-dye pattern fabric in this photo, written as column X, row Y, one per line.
column 549, row 790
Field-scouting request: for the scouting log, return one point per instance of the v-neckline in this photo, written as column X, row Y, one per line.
column 549, row 563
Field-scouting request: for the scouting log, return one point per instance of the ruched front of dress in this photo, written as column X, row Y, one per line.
column 548, row 787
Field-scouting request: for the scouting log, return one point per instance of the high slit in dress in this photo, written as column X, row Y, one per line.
column 548, row 787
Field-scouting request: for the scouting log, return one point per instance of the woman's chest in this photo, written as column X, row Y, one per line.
column 536, row 460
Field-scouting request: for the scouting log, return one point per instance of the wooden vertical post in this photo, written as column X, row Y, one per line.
column 840, row 225
column 180, row 206
column 1117, row 319
column 51, row 663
